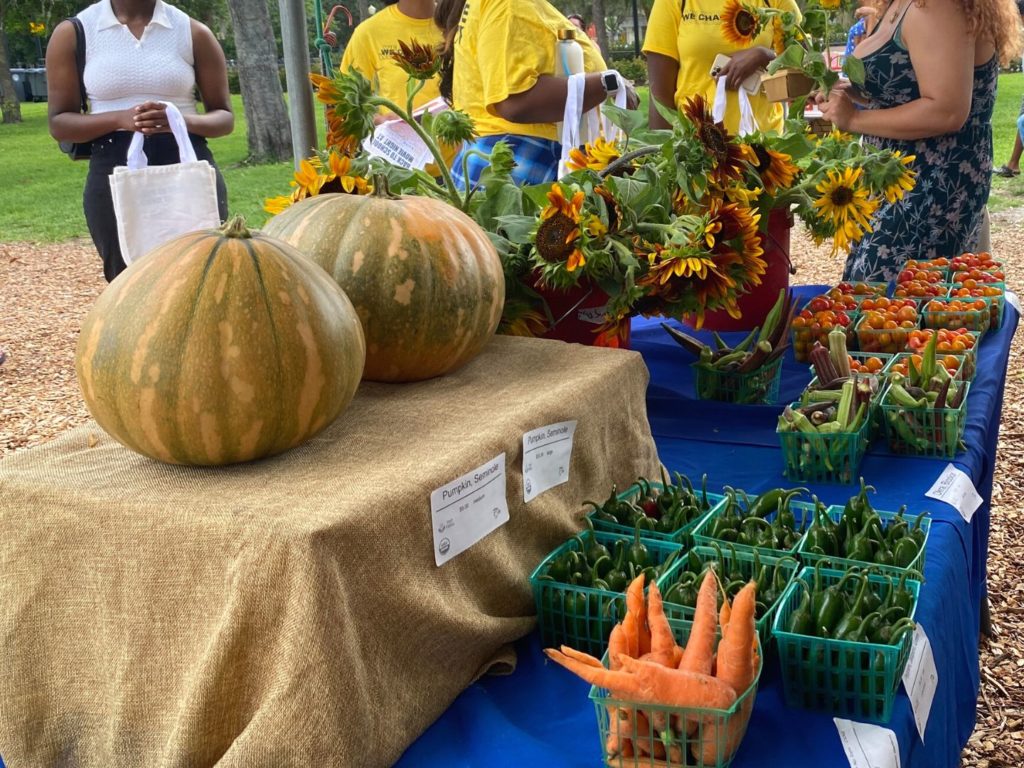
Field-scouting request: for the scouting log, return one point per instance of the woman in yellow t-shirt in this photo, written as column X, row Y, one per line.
column 683, row 39
column 499, row 68
column 373, row 41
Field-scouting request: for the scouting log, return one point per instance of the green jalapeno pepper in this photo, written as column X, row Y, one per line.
column 801, row 622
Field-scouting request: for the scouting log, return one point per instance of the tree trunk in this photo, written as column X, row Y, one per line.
column 270, row 137
column 9, row 106
column 364, row 10
column 597, row 11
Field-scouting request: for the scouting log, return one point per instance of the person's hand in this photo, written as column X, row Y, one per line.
column 150, row 118
column 743, row 64
column 838, row 108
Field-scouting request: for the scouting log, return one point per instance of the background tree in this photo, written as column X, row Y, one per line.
column 270, row 136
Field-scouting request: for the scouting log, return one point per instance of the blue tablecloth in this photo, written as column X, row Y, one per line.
column 541, row 716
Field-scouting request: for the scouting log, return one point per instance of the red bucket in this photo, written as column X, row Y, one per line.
column 755, row 306
column 577, row 313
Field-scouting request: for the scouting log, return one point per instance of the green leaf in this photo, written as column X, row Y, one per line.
column 854, row 69
column 797, row 146
column 538, row 193
column 518, row 229
column 670, row 114
column 793, row 56
column 797, row 107
column 628, row 120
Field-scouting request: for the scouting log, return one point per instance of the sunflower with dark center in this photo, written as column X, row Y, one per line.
column 726, row 156
column 612, row 205
column 776, row 169
column 417, row 60
column 740, row 25
column 558, row 235
column 845, row 202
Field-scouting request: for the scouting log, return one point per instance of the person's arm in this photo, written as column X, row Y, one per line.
column 742, row 64
column 64, row 99
column 662, row 72
column 943, row 59
column 217, row 118
column 661, row 47
column 545, row 101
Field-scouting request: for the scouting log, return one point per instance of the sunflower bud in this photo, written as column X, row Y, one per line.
column 453, row 127
column 417, row 60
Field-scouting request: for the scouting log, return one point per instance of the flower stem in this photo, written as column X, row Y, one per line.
column 449, row 183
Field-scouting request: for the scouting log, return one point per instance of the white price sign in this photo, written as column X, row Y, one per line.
column 546, row 456
column 868, row 746
column 468, row 508
column 955, row 488
column 920, row 678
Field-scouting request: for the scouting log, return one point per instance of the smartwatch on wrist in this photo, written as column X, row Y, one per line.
column 610, row 81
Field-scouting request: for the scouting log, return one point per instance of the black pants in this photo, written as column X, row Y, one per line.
column 112, row 150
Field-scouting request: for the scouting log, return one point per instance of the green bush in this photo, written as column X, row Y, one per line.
column 632, row 68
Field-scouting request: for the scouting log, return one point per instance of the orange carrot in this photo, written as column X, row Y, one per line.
column 675, row 687
column 586, row 658
column 736, row 668
column 616, row 645
column 635, row 606
column 663, row 643
column 677, row 656
column 725, row 613
column 619, row 720
column 630, row 638
column 700, row 648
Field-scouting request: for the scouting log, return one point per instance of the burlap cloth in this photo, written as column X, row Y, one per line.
column 289, row 612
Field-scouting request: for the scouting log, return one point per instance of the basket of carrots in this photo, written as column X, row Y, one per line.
column 674, row 694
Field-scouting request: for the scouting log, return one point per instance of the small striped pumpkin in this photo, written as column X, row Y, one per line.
column 424, row 278
column 218, row 347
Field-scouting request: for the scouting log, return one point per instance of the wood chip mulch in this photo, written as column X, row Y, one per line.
column 46, row 290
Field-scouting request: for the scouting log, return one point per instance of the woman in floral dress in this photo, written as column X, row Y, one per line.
column 931, row 68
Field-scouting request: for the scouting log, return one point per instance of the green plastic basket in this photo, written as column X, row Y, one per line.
column 874, row 290
column 965, row 370
column 587, row 623
column 803, row 337
column 745, row 563
column 925, row 431
column 716, row 733
column 680, row 536
column 857, row 680
column 803, row 511
column 973, row 320
column 842, row 563
column 873, row 341
column 825, row 458
column 997, row 304
column 751, row 388
column 970, row 355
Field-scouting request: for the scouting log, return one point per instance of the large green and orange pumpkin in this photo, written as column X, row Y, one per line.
column 218, row 347
column 424, row 278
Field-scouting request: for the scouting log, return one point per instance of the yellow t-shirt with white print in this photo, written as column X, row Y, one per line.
column 501, row 48
column 373, row 41
column 692, row 35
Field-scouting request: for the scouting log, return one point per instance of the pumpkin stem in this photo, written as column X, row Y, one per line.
column 236, row 228
column 380, row 187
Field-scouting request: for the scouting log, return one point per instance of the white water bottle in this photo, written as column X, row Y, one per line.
column 569, row 61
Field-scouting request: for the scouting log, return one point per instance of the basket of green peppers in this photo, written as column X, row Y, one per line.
column 771, row 522
column 681, row 583
column 859, row 536
column 843, row 639
column 665, row 511
column 579, row 588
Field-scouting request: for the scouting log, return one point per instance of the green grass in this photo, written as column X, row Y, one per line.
column 41, row 199
column 1006, row 193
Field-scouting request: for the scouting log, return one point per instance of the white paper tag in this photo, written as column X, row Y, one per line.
column 1013, row 300
column 468, row 508
column 546, row 455
column 868, row 746
column 955, row 487
column 920, row 678
column 592, row 315
column 399, row 144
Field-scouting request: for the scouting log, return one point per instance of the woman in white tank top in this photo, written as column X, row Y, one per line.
column 138, row 53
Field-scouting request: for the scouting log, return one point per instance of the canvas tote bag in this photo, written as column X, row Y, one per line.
column 154, row 204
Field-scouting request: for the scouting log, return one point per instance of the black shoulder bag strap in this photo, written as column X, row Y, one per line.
column 76, row 150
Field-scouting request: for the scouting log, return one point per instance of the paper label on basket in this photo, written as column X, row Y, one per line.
column 546, row 455
column 1013, row 300
column 468, row 508
column 955, row 487
column 868, row 746
column 399, row 144
column 920, row 678
column 592, row 315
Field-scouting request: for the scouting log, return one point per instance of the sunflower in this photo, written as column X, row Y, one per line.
column 844, row 202
column 671, row 262
column 776, row 169
column 613, row 333
column 778, row 36
column 740, row 24
column 341, row 179
column 830, row 5
column 417, row 60
column 726, row 155
column 519, row 319
column 595, row 156
column 558, row 235
column 274, row 205
column 904, row 182
column 612, row 206
column 308, row 179
column 737, row 193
